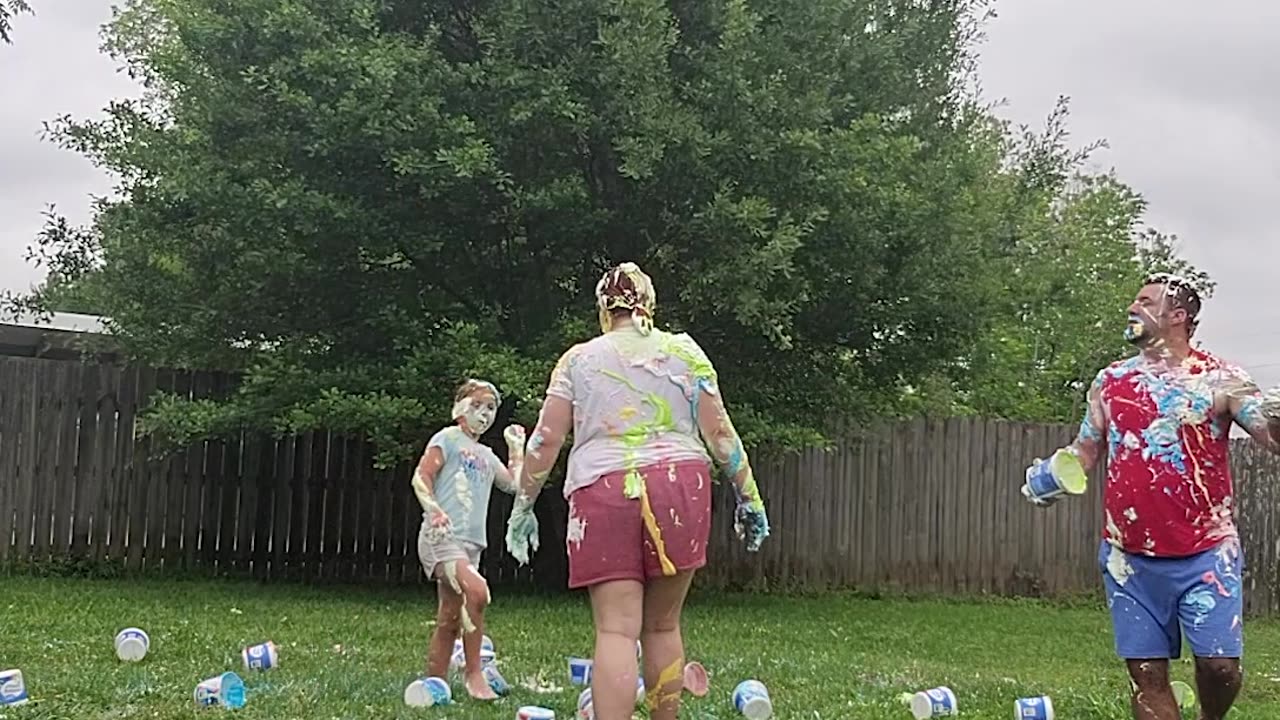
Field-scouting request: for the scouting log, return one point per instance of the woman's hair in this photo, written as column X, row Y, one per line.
column 471, row 385
column 626, row 289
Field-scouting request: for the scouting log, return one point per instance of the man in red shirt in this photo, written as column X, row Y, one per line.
column 1170, row 554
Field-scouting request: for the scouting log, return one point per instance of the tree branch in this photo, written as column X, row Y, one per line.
column 440, row 279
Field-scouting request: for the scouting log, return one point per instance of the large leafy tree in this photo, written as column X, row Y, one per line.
column 357, row 202
column 1071, row 254
column 8, row 9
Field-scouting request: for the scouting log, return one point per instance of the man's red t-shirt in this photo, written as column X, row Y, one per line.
column 1168, row 490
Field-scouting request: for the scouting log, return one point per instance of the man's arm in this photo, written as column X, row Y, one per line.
column 1271, row 410
column 1090, row 442
column 1256, row 413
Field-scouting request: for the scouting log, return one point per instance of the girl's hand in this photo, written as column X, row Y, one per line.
column 514, row 435
column 441, row 527
column 440, row 518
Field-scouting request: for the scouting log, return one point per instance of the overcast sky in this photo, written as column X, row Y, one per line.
column 1185, row 97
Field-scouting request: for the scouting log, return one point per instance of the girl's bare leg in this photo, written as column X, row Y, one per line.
column 474, row 592
column 448, row 624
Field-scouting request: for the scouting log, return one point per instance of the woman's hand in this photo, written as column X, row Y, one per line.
column 522, row 531
column 751, row 523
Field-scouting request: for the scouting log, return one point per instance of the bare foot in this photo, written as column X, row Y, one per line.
column 478, row 687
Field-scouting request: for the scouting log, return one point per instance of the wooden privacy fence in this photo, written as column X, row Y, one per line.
column 922, row 506
column 76, row 484
column 934, row 506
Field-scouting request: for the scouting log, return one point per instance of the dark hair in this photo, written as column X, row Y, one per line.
column 1183, row 294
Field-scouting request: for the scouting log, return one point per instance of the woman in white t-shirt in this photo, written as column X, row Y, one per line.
column 647, row 419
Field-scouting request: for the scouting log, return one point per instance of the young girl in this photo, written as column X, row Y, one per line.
column 452, row 482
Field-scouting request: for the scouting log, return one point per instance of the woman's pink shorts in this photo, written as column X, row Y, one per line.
column 608, row 538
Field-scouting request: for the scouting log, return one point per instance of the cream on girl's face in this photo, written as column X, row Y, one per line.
column 477, row 411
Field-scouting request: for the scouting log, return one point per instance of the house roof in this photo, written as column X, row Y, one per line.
column 72, row 322
column 62, row 336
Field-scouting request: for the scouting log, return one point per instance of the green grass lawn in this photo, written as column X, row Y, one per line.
column 347, row 652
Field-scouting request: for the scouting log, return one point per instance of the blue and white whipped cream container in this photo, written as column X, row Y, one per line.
column 934, row 703
column 428, row 692
column 751, row 698
column 496, row 682
column 579, row 671
column 13, row 689
column 132, row 644
column 225, row 690
column 260, row 657
column 458, row 660
column 1033, row 708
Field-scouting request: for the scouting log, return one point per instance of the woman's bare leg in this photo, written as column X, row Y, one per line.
column 663, row 645
column 618, row 607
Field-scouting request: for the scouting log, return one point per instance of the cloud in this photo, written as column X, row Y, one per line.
column 1184, row 96
column 1183, row 93
column 54, row 67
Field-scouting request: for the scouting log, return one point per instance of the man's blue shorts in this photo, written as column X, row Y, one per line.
column 1152, row 598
